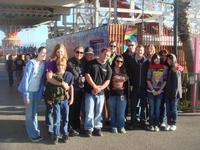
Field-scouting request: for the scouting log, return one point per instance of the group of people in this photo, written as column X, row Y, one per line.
column 16, row 65
column 78, row 91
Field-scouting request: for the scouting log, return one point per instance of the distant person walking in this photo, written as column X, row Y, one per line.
column 9, row 68
column 31, row 87
column 19, row 66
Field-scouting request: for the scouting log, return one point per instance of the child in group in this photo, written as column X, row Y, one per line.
column 156, row 81
column 60, row 99
column 173, row 91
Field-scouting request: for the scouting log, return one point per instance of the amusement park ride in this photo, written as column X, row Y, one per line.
column 77, row 15
column 19, row 14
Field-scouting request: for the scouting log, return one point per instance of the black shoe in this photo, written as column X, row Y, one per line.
column 55, row 140
column 37, row 139
column 65, row 138
column 88, row 133
column 97, row 132
column 73, row 132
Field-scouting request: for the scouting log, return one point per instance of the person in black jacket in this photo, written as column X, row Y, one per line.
column 128, row 56
column 75, row 66
column 138, row 76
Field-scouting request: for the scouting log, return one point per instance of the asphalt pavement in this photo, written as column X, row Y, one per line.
column 13, row 135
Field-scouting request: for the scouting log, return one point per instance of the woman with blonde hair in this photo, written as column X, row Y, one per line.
column 59, row 52
column 150, row 51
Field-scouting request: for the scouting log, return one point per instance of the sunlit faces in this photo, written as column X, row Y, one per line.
column 140, row 51
column 119, row 62
column 113, row 46
column 89, row 56
column 79, row 53
column 105, row 55
column 60, row 53
column 157, row 60
column 42, row 54
column 131, row 46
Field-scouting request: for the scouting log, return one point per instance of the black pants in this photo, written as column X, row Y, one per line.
column 75, row 109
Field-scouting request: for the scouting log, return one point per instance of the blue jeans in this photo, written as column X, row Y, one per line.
column 154, row 104
column 60, row 118
column 10, row 77
column 31, row 121
column 163, row 111
column 49, row 119
column 117, row 107
column 93, row 111
column 138, row 95
column 172, row 112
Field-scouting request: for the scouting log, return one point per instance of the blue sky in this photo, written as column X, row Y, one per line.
column 32, row 36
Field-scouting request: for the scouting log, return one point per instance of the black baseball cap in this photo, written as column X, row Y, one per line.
column 89, row 50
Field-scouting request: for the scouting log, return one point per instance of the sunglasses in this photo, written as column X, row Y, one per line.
column 112, row 46
column 119, row 61
column 131, row 45
column 78, row 52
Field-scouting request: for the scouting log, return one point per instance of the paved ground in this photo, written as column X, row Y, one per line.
column 13, row 135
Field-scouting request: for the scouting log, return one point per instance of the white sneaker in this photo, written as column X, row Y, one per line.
column 163, row 125
column 156, row 128
column 151, row 128
column 122, row 131
column 173, row 128
column 114, row 130
column 168, row 127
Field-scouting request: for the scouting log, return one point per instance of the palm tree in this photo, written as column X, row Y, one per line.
column 184, row 28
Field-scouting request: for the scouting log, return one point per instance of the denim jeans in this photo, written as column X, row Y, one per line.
column 49, row 119
column 117, row 107
column 10, row 77
column 172, row 112
column 138, row 95
column 60, row 118
column 154, row 104
column 31, row 121
column 163, row 111
column 93, row 111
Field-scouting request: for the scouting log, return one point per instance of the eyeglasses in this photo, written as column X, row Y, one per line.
column 119, row 61
column 112, row 46
column 131, row 45
column 78, row 52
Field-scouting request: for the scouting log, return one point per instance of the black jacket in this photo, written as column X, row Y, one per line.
column 138, row 73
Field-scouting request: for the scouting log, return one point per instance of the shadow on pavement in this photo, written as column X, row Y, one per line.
column 13, row 131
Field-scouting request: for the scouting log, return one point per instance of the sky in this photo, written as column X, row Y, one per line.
column 32, row 36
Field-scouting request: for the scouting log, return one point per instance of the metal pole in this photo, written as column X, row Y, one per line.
column 115, row 11
column 109, row 11
column 175, row 50
column 142, row 20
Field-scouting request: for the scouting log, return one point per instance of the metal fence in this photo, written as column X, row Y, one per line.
column 191, row 89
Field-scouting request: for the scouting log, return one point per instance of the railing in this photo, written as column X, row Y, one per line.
column 191, row 89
